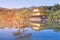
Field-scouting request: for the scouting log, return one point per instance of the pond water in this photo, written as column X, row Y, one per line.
column 28, row 34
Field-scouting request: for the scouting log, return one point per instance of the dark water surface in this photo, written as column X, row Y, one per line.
column 28, row 34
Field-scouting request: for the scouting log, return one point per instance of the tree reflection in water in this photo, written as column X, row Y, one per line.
column 21, row 34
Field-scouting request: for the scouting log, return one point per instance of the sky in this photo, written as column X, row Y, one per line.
column 27, row 3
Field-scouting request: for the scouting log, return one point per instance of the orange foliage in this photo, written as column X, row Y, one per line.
column 10, row 19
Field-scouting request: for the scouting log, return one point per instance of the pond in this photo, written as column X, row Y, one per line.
column 43, row 30
column 28, row 34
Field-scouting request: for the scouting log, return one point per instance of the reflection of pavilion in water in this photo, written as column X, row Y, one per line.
column 38, row 19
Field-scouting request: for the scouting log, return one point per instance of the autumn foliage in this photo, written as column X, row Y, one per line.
column 17, row 18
